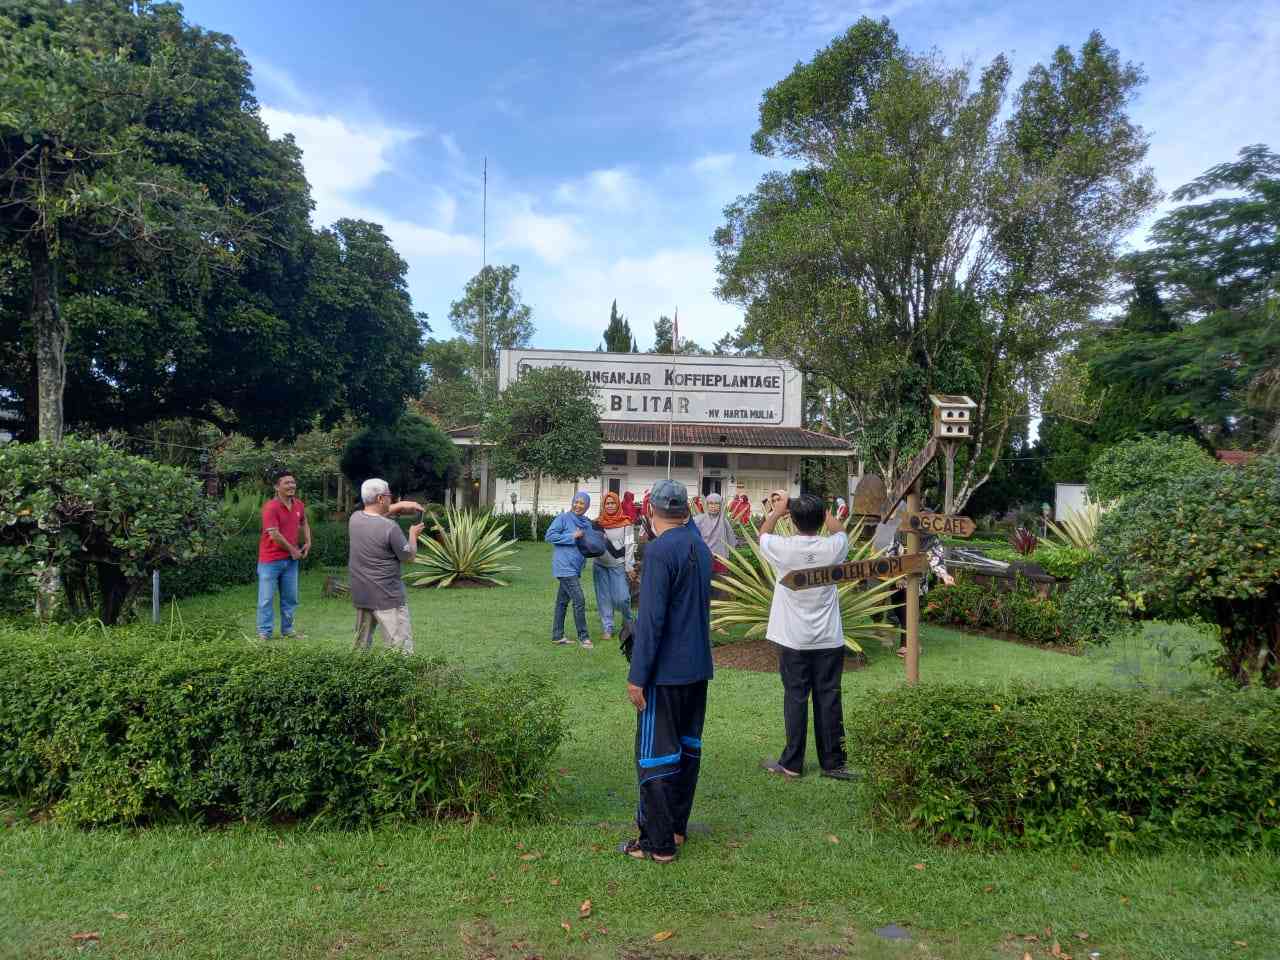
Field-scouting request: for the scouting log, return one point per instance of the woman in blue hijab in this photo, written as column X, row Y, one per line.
column 567, row 562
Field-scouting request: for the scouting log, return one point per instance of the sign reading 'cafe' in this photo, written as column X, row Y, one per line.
column 652, row 388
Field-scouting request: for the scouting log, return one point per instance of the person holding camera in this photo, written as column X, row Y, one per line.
column 805, row 626
column 378, row 547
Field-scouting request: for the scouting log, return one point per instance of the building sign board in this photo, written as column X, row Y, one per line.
column 879, row 568
column 656, row 388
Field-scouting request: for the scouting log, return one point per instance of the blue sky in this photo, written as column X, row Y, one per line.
column 616, row 132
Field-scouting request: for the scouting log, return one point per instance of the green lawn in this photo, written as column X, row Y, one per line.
column 774, row 869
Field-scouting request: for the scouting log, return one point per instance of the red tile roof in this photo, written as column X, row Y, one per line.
column 707, row 435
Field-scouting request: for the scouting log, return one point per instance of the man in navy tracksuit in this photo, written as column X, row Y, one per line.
column 670, row 667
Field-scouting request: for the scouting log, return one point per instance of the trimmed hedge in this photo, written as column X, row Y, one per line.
column 129, row 726
column 1020, row 611
column 1096, row 767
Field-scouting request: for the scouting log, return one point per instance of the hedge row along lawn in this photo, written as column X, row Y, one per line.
column 774, row 869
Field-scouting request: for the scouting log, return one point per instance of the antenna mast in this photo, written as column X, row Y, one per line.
column 484, row 275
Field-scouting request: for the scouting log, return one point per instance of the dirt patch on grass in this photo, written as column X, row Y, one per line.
column 761, row 656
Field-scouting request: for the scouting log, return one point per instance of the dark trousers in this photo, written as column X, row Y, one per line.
column 668, row 755
column 570, row 592
column 816, row 674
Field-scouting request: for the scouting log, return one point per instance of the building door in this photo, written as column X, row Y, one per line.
column 711, row 485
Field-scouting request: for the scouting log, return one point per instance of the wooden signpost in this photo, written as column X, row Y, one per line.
column 939, row 525
column 878, row 568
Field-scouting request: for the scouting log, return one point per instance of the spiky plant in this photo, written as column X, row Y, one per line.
column 1024, row 541
column 1080, row 527
column 466, row 546
column 749, row 585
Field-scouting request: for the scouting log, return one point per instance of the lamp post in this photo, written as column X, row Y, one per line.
column 514, row 498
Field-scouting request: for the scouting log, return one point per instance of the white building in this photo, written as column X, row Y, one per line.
column 732, row 425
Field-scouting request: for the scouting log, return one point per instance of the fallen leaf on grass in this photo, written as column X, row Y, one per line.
column 519, row 844
column 1027, row 956
column 565, row 925
column 1031, row 938
column 988, row 888
column 530, row 856
column 316, row 888
column 1124, row 901
column 1082, row 935
column 733, row 843
column 918, row 866
column 93, row 937
column 120, row 916
column 1056, row 949
column 584, row 910
column 597, row 848
column 832, row 838
column 1241, row 943
column 603, row 931
column 554, row 881
column 663, row 935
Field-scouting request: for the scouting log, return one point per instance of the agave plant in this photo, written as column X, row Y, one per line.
column 748, row 589
column 1079, row 528
column 466, row 546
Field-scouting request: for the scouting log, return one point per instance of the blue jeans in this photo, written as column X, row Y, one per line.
column 282, row 574
column 612, row 593
column 570, row 592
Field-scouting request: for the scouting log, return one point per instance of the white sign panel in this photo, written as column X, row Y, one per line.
column 655, row 388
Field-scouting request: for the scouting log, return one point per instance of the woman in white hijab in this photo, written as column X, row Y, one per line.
column 715, row 529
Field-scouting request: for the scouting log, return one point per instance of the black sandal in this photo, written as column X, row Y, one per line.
column 629, row 848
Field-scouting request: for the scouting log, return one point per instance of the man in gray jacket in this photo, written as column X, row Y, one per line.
column 378, row 547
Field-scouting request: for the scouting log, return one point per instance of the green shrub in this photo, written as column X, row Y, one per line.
column 1093, row 607
column 1094, row 767
column 101, row 516
column 1061, row 561
column 131, row 726
column 1208, row 547
column 1145, row 464
column 1020, row 611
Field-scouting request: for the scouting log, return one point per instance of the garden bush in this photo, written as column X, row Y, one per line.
column 1091, row 767
column 104, row 518
column 1145, row 464
column 1060, row 561
column 1208, row 547
column 1020, row 611
column 135, row 725
column 1093, row 607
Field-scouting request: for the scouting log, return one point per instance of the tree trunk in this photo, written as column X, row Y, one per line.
column 50, row 329
column 537, row 486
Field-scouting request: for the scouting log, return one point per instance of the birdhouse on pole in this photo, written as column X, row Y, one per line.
column 952, row 416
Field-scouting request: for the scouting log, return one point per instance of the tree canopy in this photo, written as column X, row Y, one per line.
column 492, row 316
column 185, row 278
column 545, row 425
column 617, row 335
column 921, row 245
column 412, row 455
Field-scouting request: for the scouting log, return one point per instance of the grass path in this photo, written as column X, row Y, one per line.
column 765, row 879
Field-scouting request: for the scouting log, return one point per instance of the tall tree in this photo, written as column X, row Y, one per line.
column 492, row 316
column 1216, row 263
column 920, row 245
column 453, row 394
column 663, row 336
column 545, row 425
column 617, row 335
column 80, row 170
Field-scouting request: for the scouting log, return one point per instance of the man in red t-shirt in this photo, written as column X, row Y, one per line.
column 284, row 518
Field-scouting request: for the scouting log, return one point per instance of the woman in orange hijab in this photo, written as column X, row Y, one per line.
column 609, row 570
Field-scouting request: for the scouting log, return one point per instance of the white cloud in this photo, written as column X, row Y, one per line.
column 450, row 146
column 611, row 189
column 713, row 163
column 553, row 238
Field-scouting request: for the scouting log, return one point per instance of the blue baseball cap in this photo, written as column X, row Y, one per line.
column 670, row 496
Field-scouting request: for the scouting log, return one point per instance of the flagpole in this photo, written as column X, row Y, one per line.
column 671, row 416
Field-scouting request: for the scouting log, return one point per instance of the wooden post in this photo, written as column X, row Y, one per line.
column 949, row 451
column 913, row 594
